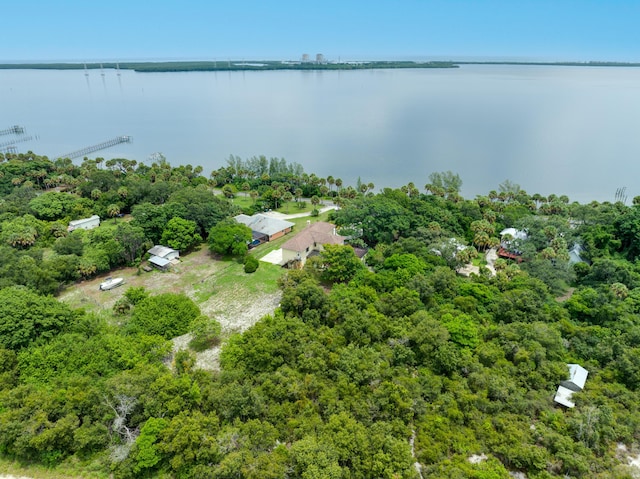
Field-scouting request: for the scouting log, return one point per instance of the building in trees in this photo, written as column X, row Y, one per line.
column 574, row 254
column 84, row 223
column 309, row 242
column 575, row 383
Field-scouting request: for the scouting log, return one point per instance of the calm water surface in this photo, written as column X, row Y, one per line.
column 563, row 130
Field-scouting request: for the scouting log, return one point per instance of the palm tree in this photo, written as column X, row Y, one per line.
column 287, row 196
column 331, row 181
column 481, row 240
column 276, row 195
column 113, row 210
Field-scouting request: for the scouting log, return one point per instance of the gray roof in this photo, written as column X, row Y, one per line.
column 161, row 251
column 158, row 261
column 264, row 224
column 84, row 220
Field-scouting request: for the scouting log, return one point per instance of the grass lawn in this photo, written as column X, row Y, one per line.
column 286, row 207
column 72, row 467
column 479, row 260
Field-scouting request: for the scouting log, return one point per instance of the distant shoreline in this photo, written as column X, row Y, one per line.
column 242, row 65
column 229, row 65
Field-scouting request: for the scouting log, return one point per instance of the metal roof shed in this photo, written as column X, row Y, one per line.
column 159, row 262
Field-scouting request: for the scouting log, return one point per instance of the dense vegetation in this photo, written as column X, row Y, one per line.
column 362, row 372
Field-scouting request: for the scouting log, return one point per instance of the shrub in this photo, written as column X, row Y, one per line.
column 168, row 315
column 121, row 307
column 135, row 294
column 206, row 333
column 250, row 264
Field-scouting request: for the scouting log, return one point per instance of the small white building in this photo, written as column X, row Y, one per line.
column 577, row 379
column 563, row 397
column 84, row 223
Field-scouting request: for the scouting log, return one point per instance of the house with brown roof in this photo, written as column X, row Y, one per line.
column 309, row 242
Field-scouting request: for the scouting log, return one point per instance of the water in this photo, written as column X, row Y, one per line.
column 563, row 130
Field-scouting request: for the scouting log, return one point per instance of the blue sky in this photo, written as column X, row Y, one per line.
column 119, row 30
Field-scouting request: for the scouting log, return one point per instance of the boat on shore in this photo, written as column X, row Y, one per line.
column 111, row 283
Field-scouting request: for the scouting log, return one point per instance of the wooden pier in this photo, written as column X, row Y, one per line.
column 99, row 146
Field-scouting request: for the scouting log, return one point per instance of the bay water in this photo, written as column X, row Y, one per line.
column 550, row 129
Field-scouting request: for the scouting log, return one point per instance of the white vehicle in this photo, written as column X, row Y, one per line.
column 111, row 283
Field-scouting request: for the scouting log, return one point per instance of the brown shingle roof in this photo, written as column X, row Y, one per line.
column 316, row 233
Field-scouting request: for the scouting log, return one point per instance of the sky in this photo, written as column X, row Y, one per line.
column 126, row 30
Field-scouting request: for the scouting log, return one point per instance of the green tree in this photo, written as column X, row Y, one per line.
column 26, row 316
column 340, row 263
column 132, row 241
column 229, row 237
column 21, row 232
column 167, row 315
column 202, row 206
column 113, row 210
column 53, row 205
column 181, row 234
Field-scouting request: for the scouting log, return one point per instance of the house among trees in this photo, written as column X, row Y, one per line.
column 84, row 223
column 575, row 383
column 574, row 254
column 309, row 242
column 265, row 228
column 507, row 248
column 162, row 256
